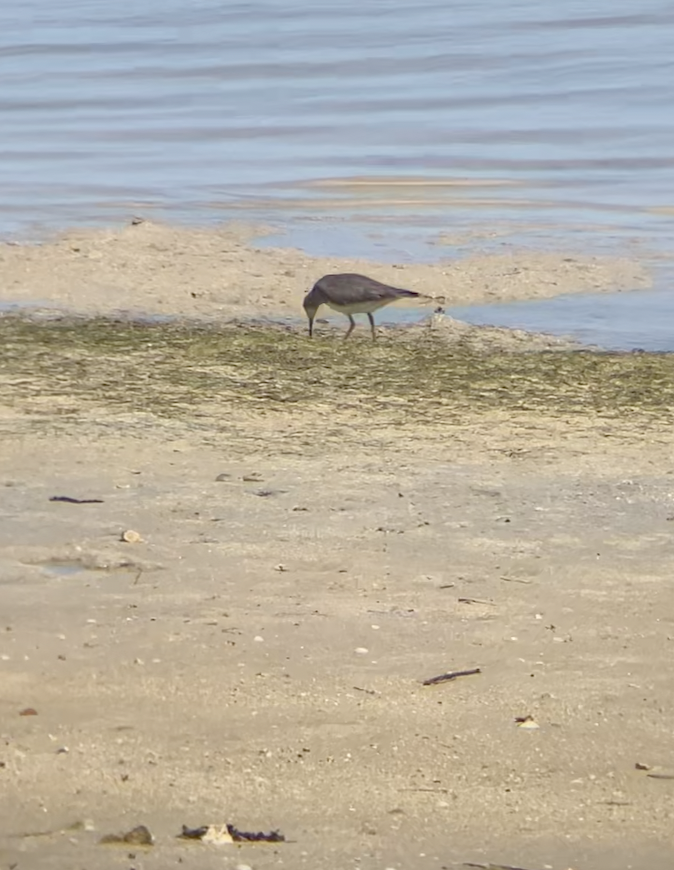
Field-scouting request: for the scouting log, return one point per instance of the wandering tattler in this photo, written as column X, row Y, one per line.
column 352, row 294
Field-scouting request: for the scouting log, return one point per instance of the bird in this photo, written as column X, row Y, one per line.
column 352, row 294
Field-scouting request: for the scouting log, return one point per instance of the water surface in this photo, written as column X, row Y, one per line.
column 543, row 111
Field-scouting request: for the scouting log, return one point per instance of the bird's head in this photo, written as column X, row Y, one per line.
column 311, row 306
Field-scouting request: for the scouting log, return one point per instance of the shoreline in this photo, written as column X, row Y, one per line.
column 154, row 269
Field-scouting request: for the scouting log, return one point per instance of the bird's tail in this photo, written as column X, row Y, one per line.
column 439, row 300
column 424, row 298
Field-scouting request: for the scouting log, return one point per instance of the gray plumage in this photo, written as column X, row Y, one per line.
column 351, row 294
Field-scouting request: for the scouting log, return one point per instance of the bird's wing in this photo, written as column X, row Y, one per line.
column 350, row 289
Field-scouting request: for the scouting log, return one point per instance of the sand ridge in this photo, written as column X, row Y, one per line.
column 218, row 272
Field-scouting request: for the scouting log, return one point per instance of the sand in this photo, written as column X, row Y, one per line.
column 157, row 269
column 255, row 654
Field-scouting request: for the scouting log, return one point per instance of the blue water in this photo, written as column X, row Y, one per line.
column 604, row 319
column 551, row 122
column 199, row 106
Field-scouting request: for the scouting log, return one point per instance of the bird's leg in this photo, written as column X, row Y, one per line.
column 311, row 327
column 351, row 327
column 371, row 319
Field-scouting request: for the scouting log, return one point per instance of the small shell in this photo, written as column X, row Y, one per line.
column 131, row 537
column 527, row 722
column 218, row 835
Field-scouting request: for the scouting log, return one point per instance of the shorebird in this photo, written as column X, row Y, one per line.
column 352, row 294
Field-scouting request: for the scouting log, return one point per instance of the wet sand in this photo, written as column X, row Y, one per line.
column 309, row 557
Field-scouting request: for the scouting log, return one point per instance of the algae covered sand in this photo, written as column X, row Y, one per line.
column 178, row 368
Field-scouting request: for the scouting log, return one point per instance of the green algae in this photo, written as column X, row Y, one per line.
column 172, row 368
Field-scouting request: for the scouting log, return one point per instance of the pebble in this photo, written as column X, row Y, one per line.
column 361, row 650
column 243, row 867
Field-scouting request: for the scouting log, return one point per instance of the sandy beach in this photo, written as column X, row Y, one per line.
column 268, row 544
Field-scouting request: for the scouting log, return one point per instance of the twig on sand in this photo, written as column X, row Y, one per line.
column 452, row 675
column 69, row 500
column 492, row 866
column 476, row 601
column 367, row 691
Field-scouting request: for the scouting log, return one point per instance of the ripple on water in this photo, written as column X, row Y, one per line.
column 187, row 108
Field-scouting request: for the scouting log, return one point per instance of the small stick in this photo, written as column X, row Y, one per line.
column 69, row 500
column 493, row 866
column 453, row 675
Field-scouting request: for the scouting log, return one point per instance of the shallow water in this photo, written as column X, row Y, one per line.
column 63, row 569
column 528, row 121
column 613, row 321
column 547, row 110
